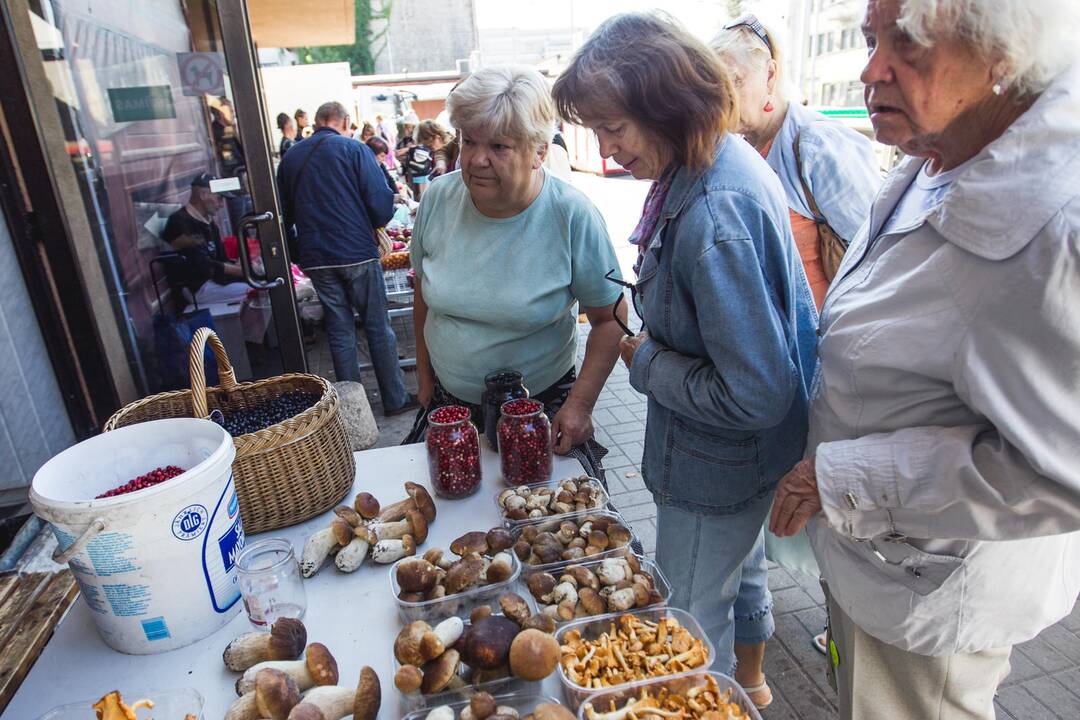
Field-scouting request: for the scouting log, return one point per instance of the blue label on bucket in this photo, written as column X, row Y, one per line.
column 156, row 629
column 222, row 543
column 234, row 506
column 190, row 522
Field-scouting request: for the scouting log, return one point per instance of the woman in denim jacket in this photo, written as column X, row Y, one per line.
column 727, row 348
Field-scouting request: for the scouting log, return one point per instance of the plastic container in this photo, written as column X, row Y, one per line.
column 500, row 387
column 552, row 524
column 522, row 702
column 460, row 604
column 659, row 582
column 506, row 685
column 157, row 567
column 167, row 704
column 453, row 450
column 594, row 627
column 677, row 684
column 602, row 499
column 525, row 443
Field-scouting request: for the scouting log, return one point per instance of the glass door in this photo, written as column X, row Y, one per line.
column 163, row 131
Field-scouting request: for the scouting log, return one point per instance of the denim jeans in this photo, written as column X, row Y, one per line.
column 360, row 287
column 716, row 567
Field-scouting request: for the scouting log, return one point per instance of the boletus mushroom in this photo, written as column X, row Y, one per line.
column 333, row 702
column 320, row 545
column 274, row 696
column 366, row 506
column 285, row 641
column 416, row 575
column 390, row 551
column 419, row 499
column 317, row 667
column 533, row 655
column 487, row 643
column 351, row 557
column 414, row 523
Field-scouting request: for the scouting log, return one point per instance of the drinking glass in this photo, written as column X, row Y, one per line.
column 270, row 582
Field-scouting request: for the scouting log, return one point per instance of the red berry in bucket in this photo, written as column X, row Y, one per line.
column 150, row 479
column 525, row 448
column 453, row 448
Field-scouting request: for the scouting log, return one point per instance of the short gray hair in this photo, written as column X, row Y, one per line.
column 1035, row 41
column 329, row 112
column 743, row 47
column 509, row 100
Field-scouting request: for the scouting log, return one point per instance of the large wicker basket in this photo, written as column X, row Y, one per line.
column 285, row 473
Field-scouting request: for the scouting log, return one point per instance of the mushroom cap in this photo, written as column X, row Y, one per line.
column 368, row 695
column 416, row 575
column 591, row 602
column 514, row 607
column 366, row 505
column 470, row 542
column 487, row 643
column 439, row 672
column 306, row 711
column 424, row 502
column 275, row 694
column 585, row 577
column 551, row 711
column 343, row 531
column 434, row 556
column 408, row 679
column 482, row 705
column 479, row 612
column 540, row 621
column 409, row 544
column 407, row 645
column 463, row 573
column 499, row 539
column 533, row 655
column 349, row 515
column 321, row 665
column 541, row 584
column 288, row 637
column 501, row 568
column 618, row 535
column 364, row 533
column 419, row 525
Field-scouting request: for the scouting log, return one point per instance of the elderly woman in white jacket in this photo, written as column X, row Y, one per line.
column 942, row 483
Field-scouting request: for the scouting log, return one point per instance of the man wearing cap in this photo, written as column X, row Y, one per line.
column 334, row 194
column 192, row 232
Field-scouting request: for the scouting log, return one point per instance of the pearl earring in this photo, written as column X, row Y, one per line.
column 998, row 89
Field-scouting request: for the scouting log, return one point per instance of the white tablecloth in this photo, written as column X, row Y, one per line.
column 353, row 615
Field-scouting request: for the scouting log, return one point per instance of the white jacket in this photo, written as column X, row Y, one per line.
column 947, row 405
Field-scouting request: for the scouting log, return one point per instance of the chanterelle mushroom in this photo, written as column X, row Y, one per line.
column 112, row 707
column 318, row 667
column 285, row 641
column 335, row 702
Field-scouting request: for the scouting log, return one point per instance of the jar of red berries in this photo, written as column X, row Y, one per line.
column 453, row 449
column 524, row 442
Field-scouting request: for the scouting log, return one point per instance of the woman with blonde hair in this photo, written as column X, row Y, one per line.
column 727, row 347
column 828, row 171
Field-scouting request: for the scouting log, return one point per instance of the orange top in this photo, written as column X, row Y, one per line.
column 806, row 240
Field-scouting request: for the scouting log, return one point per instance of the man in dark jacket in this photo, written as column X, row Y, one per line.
column 334, row 193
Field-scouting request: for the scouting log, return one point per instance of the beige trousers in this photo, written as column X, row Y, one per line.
column 877, row 681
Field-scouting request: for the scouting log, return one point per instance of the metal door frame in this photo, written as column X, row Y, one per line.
column 243, row 73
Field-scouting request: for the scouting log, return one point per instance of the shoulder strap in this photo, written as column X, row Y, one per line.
column 818, row 217
column 300, row 174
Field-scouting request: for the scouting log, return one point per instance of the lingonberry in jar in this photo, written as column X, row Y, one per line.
column 525, row 450
column 453, row 450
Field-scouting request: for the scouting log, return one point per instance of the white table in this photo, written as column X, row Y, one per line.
column 353, row 615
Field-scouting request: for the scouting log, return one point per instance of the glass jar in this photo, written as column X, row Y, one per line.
column 453, row 450
column 270, row 583
column 525, row 449
column 501, row 387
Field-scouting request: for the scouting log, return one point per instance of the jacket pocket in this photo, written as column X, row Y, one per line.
column 721, row 472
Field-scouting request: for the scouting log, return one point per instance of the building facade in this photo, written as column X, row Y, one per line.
column 425, row 36
column 826, row 51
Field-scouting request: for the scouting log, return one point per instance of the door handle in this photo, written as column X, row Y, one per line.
column 245, row 262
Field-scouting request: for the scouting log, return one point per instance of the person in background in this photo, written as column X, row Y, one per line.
column 420, row 159
column 446, row 157
column 335, row 195
column 726, row 353
column 503, row 251
column 366, row 131
column 407, row 138
column 303, row 127
column 941, row 489
column 382, row 152
column 828, row 171
column 288, row 133
column 388, row 132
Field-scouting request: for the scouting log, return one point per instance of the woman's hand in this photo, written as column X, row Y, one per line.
column 425, row 390
column 572, row 426
column 629, row 345
column 797, row 499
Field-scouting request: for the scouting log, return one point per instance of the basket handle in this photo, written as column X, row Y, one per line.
column 197, row 369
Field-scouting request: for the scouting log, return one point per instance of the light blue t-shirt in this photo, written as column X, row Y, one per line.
column 500, row 291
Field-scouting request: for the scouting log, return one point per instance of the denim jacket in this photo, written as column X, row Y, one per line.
column 731, row 325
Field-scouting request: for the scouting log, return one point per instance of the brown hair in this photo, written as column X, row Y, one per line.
column 649, row 67
column 428, row 130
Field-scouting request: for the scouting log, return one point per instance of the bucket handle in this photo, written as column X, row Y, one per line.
column 197, row 371
column 60, row 557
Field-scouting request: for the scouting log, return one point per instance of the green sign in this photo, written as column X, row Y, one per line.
column 153, row 102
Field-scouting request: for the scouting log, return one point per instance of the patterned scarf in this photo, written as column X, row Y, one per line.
column 650, row 213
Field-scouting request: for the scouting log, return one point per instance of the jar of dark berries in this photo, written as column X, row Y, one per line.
column 524, row 442
column 500, row 387
column 453, row 449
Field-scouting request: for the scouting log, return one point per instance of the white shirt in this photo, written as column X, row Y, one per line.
column 922, row 196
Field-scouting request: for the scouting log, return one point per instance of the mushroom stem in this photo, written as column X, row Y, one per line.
column 318, row 667
column 389, row 551
column 243, row 708
column 317, row 548
column 335, row 702
column 350, row 557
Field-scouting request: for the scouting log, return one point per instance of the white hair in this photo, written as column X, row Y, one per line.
column 741, row 46
column 509, row 100
column 1034, row 40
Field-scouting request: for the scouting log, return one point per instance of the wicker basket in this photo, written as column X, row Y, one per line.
column 285, row 473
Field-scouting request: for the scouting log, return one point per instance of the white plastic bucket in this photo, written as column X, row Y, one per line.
column 157, row 567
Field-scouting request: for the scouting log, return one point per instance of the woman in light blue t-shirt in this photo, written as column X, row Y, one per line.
column 503, row 251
